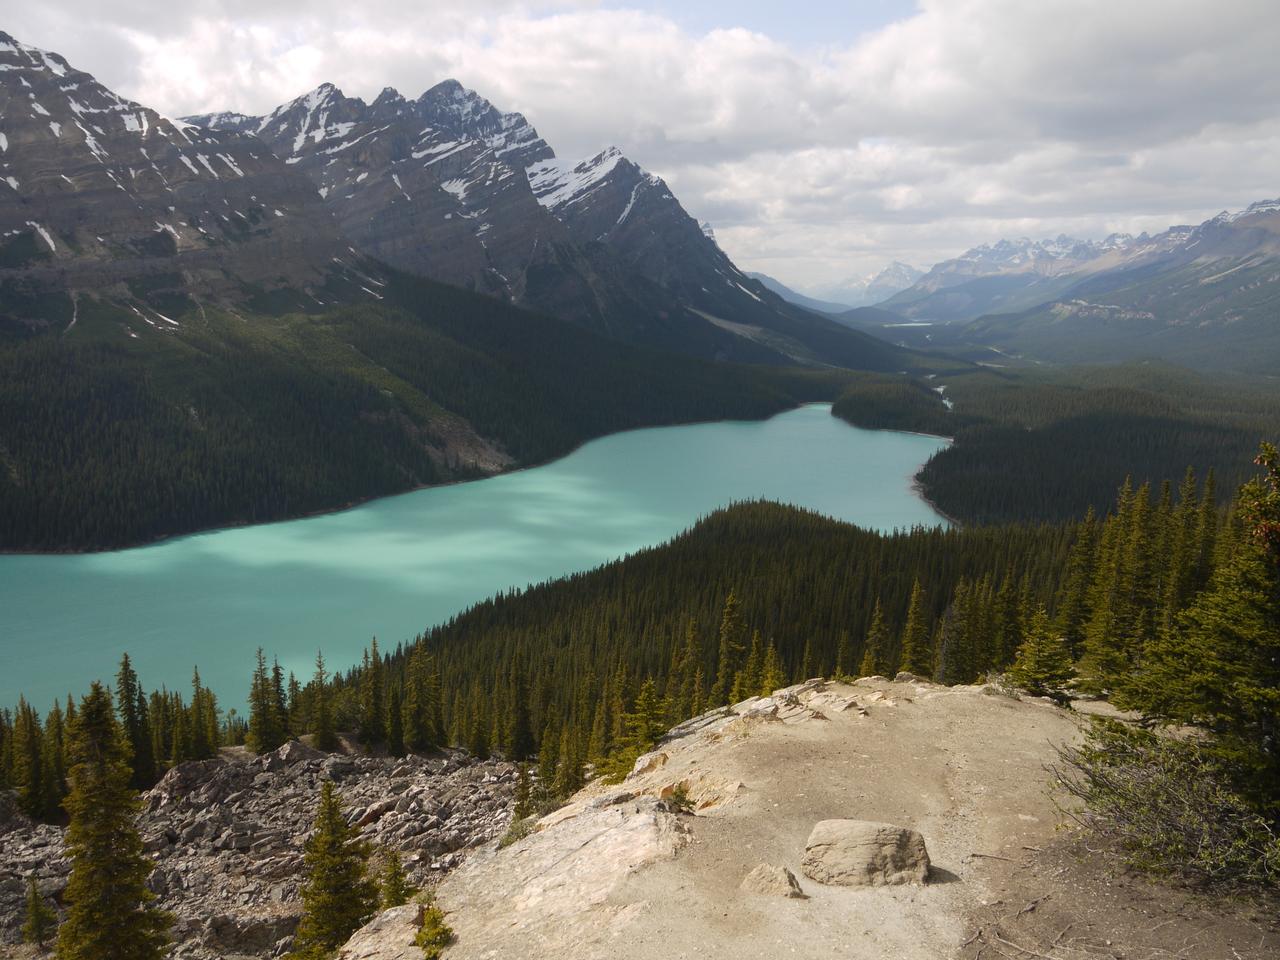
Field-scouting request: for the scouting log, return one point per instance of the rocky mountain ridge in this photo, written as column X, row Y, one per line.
column 104, row 197
column 450, row 187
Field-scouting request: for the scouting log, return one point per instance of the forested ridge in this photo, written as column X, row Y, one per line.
column 1048, row 444
column 107, row 440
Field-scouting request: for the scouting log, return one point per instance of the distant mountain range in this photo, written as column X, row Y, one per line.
column 1206, row 296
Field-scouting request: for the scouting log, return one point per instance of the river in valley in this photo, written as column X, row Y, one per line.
column 393, row 567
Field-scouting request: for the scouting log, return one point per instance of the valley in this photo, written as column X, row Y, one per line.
column 610, row 518
column 397, row 566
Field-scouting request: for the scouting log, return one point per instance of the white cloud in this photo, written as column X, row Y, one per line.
column 969, row 120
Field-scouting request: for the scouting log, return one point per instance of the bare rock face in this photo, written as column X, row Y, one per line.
column 388, row 936
column 226, row 837
column 773, row 881
column 856, row 853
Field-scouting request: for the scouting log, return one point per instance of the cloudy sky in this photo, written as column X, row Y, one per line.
column 823, row 139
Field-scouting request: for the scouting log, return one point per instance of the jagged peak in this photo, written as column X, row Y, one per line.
column 388, row 95
column 37, row 59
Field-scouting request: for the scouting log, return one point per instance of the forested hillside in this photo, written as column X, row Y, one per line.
column 108, row 440
column 1049, row 444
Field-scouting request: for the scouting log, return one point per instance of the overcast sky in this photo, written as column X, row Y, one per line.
column 822, row 139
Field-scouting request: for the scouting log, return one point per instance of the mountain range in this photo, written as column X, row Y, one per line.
column 449, row 187
column 1207, row 296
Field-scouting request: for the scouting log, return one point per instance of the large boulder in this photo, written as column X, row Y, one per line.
column 856, row 853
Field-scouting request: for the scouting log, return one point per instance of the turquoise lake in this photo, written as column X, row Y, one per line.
column 393, row 567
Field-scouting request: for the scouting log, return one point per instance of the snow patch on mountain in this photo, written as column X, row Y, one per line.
column 557, row 183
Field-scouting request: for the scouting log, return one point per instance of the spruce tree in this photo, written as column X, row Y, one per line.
column 393, row 884
column 519, row 723
column 325, row 737
column 874, row 647
column 395, row 727
column 265, row 730
column 917, row 651
column 137, row 730
column 109, row 912
column 372, row 712
column 1043, row 663
column 40, row 920
column 733, row 631
column 337, row 894
column 28, row 772
column 772, row 676
column 1219, row 667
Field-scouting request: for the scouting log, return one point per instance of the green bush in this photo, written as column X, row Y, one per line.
column 518, row 830
column 1169, row 806
column 434, row 934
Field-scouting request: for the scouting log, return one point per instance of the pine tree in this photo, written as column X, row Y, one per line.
column 40, row 918
column 265, row 730
column 393, row 884
column 1043, row 663
column 519, row 724
column 53, row 759
column 844, row 656
column 28, row 773
column 524, row 794
column 372, row 713
column 324, row 735
column 337, row 894
column 395, row 725
column 772, row 676
column 873, row 648
column 109, row 912
column 747, row 682
column 137, row 730
column 955, row 654
column 733, row 631
column 1073, row 601
column 917, row 651
column 1219, row 667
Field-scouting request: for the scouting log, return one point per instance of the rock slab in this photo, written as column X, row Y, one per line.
column 862, row 853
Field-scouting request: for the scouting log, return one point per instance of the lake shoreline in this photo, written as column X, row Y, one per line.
column 365, row 501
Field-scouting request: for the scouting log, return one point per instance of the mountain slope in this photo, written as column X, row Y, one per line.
column 110, row 440
column 104, row 197
column 794, row 296
column 449, row 187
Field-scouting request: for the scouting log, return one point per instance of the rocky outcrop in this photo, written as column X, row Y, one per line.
column 774, row 881
column 859, row 853
column 698, row 852
column 388, row 936
column 226, row 836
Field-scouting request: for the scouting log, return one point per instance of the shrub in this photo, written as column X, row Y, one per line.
column 518, row 830
column 1169, row 806
column 434, row 934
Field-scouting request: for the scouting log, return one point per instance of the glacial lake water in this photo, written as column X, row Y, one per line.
column 393, row 567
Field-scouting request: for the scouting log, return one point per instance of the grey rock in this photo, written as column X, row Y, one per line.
column 864, row 853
